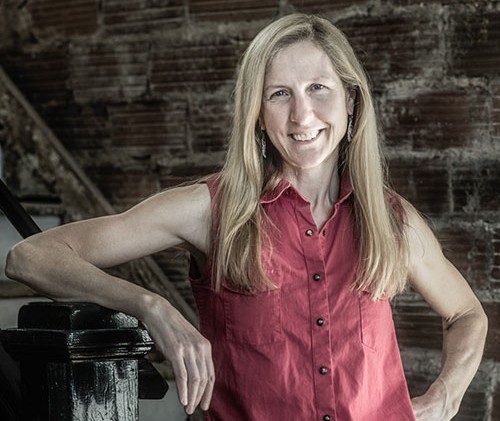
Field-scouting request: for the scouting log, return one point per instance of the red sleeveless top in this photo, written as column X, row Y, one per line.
column 311, row 349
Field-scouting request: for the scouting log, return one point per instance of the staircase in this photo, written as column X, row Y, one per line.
column 66, row 191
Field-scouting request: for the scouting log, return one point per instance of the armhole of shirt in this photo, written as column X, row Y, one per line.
column 205, row 275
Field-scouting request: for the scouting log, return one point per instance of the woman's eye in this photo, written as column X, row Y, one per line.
column 279, row 93
column 317, row 87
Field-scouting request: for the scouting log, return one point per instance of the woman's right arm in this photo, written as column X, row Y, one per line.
column 65, row 263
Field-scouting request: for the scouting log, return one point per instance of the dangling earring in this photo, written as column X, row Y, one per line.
column 263, row 143
column 350, row 124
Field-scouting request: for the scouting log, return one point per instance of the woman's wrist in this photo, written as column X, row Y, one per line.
column 151, row 306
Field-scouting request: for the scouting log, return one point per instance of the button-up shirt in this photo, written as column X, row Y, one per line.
column 311, row 349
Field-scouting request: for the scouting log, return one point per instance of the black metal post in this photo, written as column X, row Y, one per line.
column 16, row 214
column 79, row 362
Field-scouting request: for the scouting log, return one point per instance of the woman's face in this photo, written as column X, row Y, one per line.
column 305, row 107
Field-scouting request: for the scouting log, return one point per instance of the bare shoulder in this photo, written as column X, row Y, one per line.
column 422, row 242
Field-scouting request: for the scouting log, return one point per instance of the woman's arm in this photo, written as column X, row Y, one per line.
column 464, row 321
column 66, row 264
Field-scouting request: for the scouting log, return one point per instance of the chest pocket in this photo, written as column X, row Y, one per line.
column 376, row 322
column 252, row 319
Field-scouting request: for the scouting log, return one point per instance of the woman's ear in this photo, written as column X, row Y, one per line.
column 260, row 123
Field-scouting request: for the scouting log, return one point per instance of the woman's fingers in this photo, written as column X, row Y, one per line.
column 181, row 376
column 207, row 394
column 194, row 373
column 204, row 355
column 190, row 355
column 197, row 360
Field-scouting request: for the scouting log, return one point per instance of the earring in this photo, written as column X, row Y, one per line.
column 263, row 143
column 350, row 124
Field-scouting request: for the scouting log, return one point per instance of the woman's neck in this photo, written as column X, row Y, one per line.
column 320, row 186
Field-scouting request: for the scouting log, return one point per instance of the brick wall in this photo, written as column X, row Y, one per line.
column 139, row 91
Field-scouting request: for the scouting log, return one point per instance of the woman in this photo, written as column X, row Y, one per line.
column 303, row 248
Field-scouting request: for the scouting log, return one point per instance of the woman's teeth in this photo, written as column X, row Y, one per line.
column 303, row 137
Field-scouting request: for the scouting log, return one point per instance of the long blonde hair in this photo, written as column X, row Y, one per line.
column 382, row 268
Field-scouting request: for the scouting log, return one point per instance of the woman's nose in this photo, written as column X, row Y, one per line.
column 301, row 110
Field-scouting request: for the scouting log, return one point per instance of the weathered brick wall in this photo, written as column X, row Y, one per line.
column 139, row 91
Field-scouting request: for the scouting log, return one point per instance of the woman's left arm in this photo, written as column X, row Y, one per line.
column 464, row 321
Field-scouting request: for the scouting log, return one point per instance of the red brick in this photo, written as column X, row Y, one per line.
column 495, row 414
column 210, row 123
column 152, row 125
column 436, row 120
column 469, row 251
column 424, row 183
column 175, row 264
column 476, row 189
column 232, row 11
column 394, row 46
column 313, row 6
column 474, row 406
column 401, row 177
column 42, row 76
column 142, row 16
column 476, row 42
column 418, row 381
column 421, row 2
column 76, row 17
column 496, row 240
column 431, row 189
column 492, row 349
column 124, row 188
column 184, row 65
column 109, row 71
column 464, row 190
column 495, row 267
column 417, row 325
column 189, row 171
column 495, row 113
column 79, row 128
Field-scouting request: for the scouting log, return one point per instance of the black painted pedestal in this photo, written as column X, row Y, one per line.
column 79, row 362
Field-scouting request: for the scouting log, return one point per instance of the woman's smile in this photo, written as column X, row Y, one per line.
column 304, row 110
column 306, row 137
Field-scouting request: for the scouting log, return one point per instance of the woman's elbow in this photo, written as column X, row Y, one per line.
column 483, row 321
column 18, row 261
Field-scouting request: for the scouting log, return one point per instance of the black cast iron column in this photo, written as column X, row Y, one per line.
column 79, row 362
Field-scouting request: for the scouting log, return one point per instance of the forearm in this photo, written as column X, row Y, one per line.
column 463, row 345
column 55, row 271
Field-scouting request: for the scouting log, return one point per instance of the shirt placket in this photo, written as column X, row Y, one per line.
column 312, row 240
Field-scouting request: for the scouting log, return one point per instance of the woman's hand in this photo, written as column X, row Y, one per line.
column 187, row 350
column 433, row 404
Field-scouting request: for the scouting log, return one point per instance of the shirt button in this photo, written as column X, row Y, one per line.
column 324, row 235
column 327, row 418
column 323, row 370
column 316, row 277
column 309, row 232
column 320, row 322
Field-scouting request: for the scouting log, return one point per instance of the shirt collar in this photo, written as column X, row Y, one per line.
column 284, row 186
